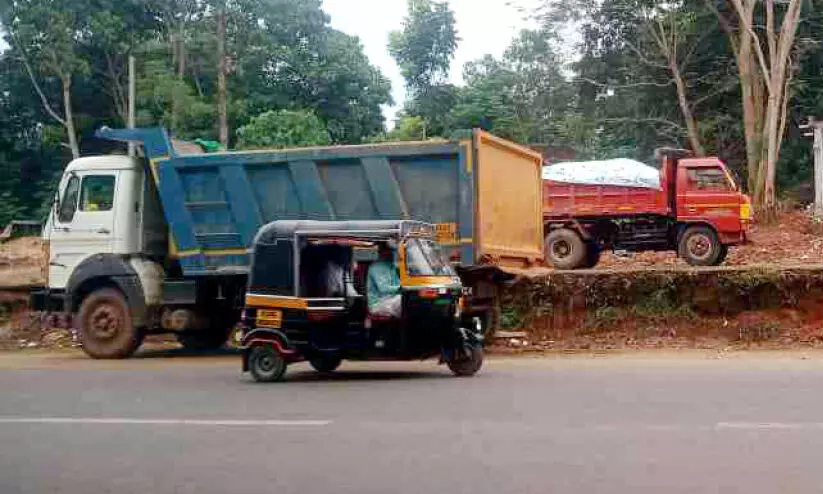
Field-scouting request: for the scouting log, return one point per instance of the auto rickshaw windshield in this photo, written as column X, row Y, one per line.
column 423, row 258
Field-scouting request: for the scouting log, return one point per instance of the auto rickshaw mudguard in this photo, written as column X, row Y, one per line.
column 462, row 340
column 266, row 336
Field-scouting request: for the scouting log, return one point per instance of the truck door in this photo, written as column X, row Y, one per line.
column 707, row 193
column 82, row 222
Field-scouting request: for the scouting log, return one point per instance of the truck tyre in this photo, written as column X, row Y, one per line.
column 699, row 246
column 565, row 249
column 106, row 329
column 208, row 339
column 266, row 364
column 724, row 253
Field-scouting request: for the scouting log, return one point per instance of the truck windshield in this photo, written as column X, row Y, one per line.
column 424, row 259
column 709, row 179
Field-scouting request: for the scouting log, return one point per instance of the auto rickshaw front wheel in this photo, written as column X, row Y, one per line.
column 466, row 365
column 266, row 364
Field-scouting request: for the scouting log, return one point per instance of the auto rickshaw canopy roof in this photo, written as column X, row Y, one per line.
column 365, row 230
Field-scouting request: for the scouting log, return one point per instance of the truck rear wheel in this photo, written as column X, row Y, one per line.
column 699, row 246
column 565, row 249
column 106, row 329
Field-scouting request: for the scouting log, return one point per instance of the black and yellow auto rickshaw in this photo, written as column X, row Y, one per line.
column 313, row 295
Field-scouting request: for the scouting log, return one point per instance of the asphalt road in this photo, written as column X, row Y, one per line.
column 636, row 424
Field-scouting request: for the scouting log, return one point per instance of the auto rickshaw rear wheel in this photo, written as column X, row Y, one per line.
column 266, row 364
column 326, row 364
column 463, row 365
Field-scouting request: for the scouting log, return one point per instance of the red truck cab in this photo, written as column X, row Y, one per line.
column 698, row 211
column 707, row 193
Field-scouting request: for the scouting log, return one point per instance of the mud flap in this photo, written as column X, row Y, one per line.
column 464, row 340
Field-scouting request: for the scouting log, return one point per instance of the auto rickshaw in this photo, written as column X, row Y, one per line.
column 308, row 298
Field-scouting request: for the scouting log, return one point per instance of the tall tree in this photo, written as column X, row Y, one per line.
column 523, row 96
column 424, row 49
column 222, row 72
column 765, row 63
column 46, row 35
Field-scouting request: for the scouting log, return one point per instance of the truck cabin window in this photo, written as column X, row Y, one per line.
column 423, row 259
column 69, row 203
column 97, row 193
column 709, row 179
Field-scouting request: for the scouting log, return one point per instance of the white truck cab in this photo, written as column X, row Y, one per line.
column 111, row 272
column 98, row 212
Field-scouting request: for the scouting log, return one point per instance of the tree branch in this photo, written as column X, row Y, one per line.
column 626, row 86
column 37, row 88
column 723, row 89
column 746, row 20
column 724, row 24
column 784, row 115
column 643, row 57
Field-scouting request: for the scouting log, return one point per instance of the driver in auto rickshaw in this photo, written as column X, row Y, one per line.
column 385, row 299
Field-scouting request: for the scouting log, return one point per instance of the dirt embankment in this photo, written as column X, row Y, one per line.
column 768, row 305
column 796, row 238
column 22, row 262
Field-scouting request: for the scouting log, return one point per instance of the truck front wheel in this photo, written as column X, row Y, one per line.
column 565, row 249
column 106, row 329
column 699, row 246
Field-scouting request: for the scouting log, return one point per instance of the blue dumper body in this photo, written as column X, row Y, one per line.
column 483, row 193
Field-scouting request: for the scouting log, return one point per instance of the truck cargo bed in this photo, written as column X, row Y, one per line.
column 566, row 200
column 483, row 193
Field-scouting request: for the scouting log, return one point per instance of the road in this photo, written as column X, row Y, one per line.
column 647, row 423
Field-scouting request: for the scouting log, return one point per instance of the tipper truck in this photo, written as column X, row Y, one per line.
column 159, row 243
column 696, row 209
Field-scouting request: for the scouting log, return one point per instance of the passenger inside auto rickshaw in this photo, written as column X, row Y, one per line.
column 385, row 299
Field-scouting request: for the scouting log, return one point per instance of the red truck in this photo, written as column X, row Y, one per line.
column 697, row 211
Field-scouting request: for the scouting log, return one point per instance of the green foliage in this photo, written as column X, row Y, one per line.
column 408, row 129
column 424, row 49
column 283, row 129
column 282, row 56
column 524, row 96
column 425, row 46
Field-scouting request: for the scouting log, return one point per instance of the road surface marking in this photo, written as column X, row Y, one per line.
column 768, row 426
column 134, row 421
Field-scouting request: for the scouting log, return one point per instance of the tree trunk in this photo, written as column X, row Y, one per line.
column 688, row 116
column 118, row 95
column 72, row 134
column 222, row 92
column 181, row 53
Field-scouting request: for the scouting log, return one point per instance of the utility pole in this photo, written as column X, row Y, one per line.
column 132, row 101
column 816, row 127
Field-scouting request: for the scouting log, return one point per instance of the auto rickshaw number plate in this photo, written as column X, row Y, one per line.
column 270, row 318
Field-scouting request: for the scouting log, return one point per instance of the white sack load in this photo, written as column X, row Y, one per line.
column 620, row 171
